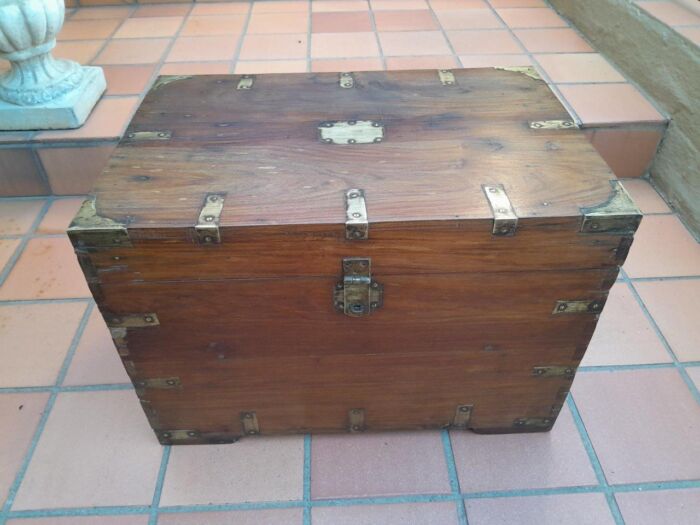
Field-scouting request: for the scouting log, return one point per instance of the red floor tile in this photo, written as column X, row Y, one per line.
column 469, row 19
column 330, row 6
column 378, row 464
column 517, row 3
column 203, row 48
column 674, row 306
column 578, row 67
column 691, row 33
column 88, row 29
column 36, row 339
column 133, row 51
column 519, row 461
column 428, row 62
column 572, row 509
column 663, row 247
column 677, row 507
column 610, row 104
column 411, row 20
column 96, row 361
column 278, row 23
column 213, row 25
column 253, row 469
column 47, row 269
column 552, row 41
column 624, row 336
column 162, row 10
column 195, row 68
column 483, row 42
column 113, row 457
column 83, row 520
column 59, row 215
column 100, row 13
column 20, row 414
column 128, row 80
column 17, row 216
column 536, row 17
column 455, row 5
column 333, row 65
column 643, row 424
column 670, row 13
column 220, row 8
column 397, row 5
column 338, row 22
column 494, row 60
column 83, row 51
column 280, row 6
column 628, row 152
column 149, row 27
column 444, row 513
column 107, row 121
column 243, row 517
column 335, row 45
column 645, row 196
column 271, row 47
column 254, row 67
column 414, row 43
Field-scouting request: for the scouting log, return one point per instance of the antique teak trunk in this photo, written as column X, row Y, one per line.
column 350, row 252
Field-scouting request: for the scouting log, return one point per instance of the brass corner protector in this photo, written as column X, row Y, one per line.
column 528, row 71
column 617, row 215
column 90, row 230
column 462, row 416
column 164, row 80
column 356, row 418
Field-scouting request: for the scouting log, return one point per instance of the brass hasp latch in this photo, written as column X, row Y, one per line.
column 357, row 295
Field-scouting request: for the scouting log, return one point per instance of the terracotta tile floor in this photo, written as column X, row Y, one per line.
column 75, row 447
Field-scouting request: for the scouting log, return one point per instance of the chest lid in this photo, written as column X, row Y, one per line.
column 220, row 151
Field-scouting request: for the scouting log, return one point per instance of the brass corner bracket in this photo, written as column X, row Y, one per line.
column 90, row 230
column 617, row 215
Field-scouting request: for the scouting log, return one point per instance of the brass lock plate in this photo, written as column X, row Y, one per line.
column 357, row 295
column 351, row 132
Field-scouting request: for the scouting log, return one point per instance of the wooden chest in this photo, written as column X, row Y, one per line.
column 349, row 252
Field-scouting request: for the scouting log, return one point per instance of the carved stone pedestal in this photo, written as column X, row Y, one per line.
column 39, row 91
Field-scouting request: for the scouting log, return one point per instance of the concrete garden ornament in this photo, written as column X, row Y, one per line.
column 40, row 91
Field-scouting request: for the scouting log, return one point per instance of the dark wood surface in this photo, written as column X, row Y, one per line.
column 262, row 147
column 250, row 324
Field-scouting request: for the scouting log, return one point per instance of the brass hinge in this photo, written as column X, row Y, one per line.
column 533, row 422
column 159, row 383
column 250, row 423
column 92, row 231
column 578, row 307
column 149, row 135
column 447, row 77
column 168, row 436
column 207, row 228
column 528, row 71
column 346, row 80
column 505, row 221
column 553, row 124
column 554, row 371
column 246, row 82
column 351, row 132
column 463, row 414
column 618, row 215
column 356, row 416
column 132, row 320
column 357, row 295
column 356, row 223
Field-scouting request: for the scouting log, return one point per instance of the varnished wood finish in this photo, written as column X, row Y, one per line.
column 249, row 325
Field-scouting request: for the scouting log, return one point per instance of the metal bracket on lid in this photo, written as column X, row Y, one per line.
column 346, row 80
column 246, row 82
column 356, row 417
column 250, row 423
column 463, row 414
column 447, row 77
column 207, row 228
column 505, row 221
column 356, row 224
column 578, row 307
column 132, row 320
column 553, row 124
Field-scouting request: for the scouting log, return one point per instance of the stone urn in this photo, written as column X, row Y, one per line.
column 40, row 91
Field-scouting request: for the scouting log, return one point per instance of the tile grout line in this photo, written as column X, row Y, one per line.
column 309, row 36
column 453, row 476
column 594, row 461
column 307, row 479
column 26, row 237
column 241, row 39
column 436, row 19
column 158, row 492
column 679, row 366
column 41, row 425
column 373, row 25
